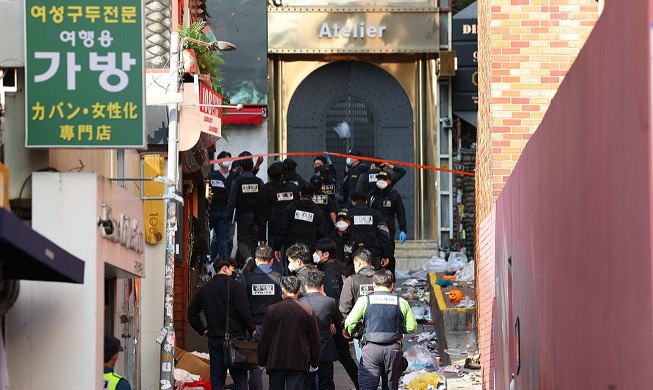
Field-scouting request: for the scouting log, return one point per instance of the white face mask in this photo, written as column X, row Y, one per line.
column 381, row 184
column 226, row 165
column 342, row 225
column 291, row 265
column 316, row 257
column 348, row 161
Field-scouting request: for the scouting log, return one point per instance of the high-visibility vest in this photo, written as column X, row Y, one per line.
column 111, row 380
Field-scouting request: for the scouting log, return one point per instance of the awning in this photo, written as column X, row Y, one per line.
column 27, row 255
column 251, row 114
column 467, row 116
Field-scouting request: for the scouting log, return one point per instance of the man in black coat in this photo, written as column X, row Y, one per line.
column 367, row 181
column 263, row 288
column 356, row 169
column 275, row 196
column 290, row 344
column 369, row 229
column 218, row 298
column 342, row 237
column 221, row 180
column 302, row 222
column 387, row 201
column 291, row 173
column 329, row 322
column 243, row 196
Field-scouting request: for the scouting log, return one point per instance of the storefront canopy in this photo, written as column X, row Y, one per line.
column 251, row 114
column 27, row 255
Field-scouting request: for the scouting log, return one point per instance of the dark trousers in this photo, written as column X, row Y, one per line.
column 219, row 371
column 219, row 234
column 286, row 379
column 344, row 356
column 246, row 232
column 321, row 379
column 380, row 361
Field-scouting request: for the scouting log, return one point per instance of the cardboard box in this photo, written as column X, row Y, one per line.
column 193, row 364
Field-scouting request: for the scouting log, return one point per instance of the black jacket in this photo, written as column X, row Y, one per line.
column 367, row 181
column 346, row 248
column 350, row 181
column 271, row 203
column 369, row 229
column 220, row 186
column 263, row 288
column 302, row 222
column 211, row 299
column 294, row 178
column 243, row 196
column 333, row 271
column 328, row 206
column 388, row 202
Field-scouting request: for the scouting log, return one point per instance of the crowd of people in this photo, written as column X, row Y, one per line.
column 315, row 263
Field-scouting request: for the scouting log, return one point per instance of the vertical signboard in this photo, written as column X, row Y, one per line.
column 465, row 44
column 84, row 73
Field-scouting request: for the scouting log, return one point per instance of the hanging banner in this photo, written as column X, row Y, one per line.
column 84, row 73
column 153, row 166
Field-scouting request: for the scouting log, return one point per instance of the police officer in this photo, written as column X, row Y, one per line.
column 369, row 229
column 275, row 196
column 113, row 381
column 342, row 237
column 263, row 288
column 387, row 201
column 291, row 173
column 243, row 196
column 325, row 161
column 325, row 203
column 367, row 181
column 303, row 222
column 386, row 317
column 221, row 180
column 356, row 168
column 355, row 286
column 328, row 181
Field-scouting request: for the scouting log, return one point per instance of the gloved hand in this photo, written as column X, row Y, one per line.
column 402, row 237
column 312, row 369
column 326, row 155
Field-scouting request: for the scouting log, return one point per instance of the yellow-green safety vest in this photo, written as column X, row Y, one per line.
column 111, row 380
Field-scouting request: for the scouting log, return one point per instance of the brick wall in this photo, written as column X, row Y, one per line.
column 525, row 48
column 485, row 298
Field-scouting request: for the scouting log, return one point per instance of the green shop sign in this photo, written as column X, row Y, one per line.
column 84, row 67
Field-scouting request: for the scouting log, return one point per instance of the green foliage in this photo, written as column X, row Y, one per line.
column 208, row 61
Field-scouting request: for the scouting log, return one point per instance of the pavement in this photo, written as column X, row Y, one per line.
column 461, row 341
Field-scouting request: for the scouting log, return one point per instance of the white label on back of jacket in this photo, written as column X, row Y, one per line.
column 249, row 188
column 217, row 183
column 321, row 199
column 372, row 177
column 365, row 289
column 329, row 189
column 284, row 196
column 262, row 289
column 383, row 299
column 363, row 220
column 304, row 216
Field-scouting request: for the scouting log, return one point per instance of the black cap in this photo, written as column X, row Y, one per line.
column 355, row 152
column 383, row 175
column 111, row 347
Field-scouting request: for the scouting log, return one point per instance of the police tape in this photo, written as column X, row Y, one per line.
column 342, row 155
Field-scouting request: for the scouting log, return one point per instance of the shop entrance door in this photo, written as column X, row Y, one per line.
column 353, row 105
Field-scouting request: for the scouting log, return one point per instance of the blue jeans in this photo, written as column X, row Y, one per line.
column 219, row 371
column 219, row 234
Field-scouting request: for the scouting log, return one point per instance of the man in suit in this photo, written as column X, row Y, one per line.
column 290, row 344
column 219, row 297
column 328, row 322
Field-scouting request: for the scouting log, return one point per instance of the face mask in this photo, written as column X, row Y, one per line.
column 316, row 258
column 342, row 225
column 348, row 161
column 226, row 165
column 291, row 265
column 381, row 184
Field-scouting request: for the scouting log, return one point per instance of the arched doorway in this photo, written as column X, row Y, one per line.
column 373, row 105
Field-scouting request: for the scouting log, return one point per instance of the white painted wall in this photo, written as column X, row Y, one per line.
column 53, row 327
column 151, row 305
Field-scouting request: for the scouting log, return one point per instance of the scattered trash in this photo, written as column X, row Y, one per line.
column 454, row 368
column 435, row 264
column 424, row 337
column 420, row 358
column 466, row 302
column 411, row 282
column 444, row 282
column 424, row 381
column 457, row 261
column 466, row 274
column 422, row 312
